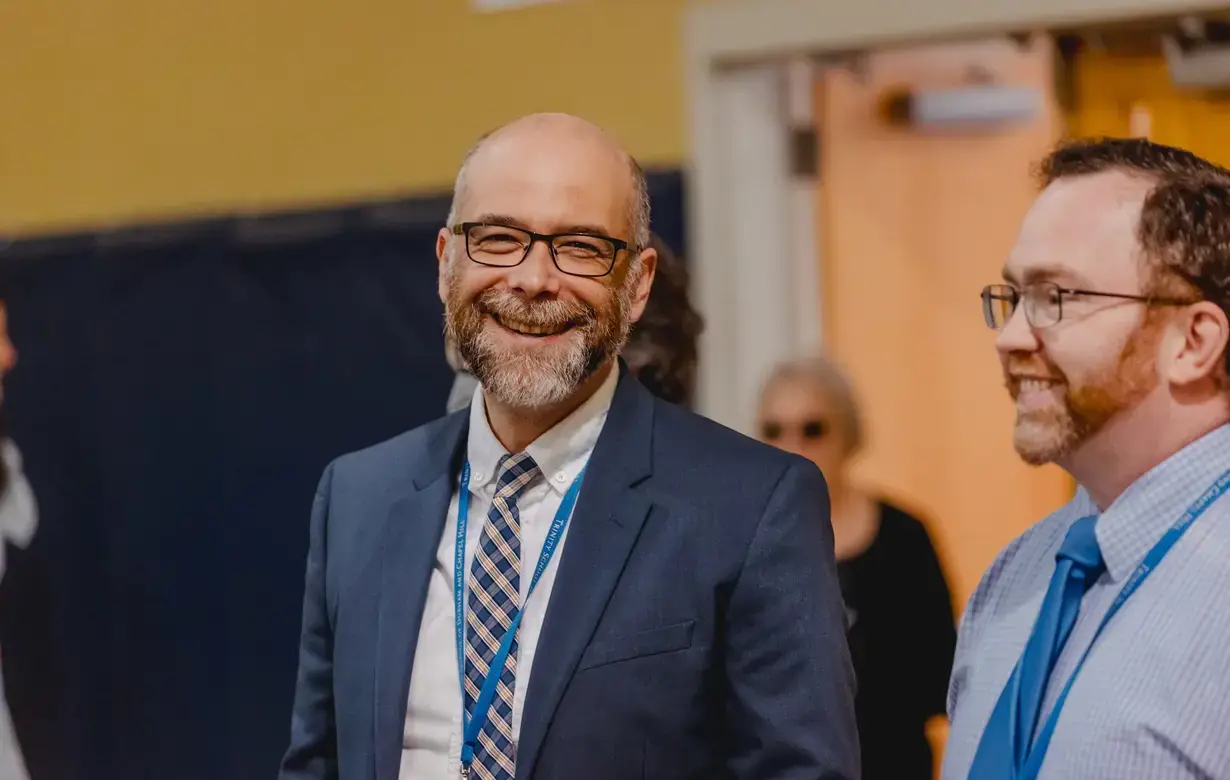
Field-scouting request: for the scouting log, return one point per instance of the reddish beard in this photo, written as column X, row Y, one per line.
column 1086, row 408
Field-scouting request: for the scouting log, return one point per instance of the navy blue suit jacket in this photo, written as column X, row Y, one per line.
column 695, row 628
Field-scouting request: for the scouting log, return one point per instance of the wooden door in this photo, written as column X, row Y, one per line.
column 1117, row 93
column 912, row 226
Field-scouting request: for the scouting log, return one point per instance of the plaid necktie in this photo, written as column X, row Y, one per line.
column 495, row 588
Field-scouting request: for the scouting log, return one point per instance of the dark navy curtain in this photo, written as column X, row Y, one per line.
column 178, row 393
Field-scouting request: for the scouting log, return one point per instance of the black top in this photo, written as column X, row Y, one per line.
column 902, row 641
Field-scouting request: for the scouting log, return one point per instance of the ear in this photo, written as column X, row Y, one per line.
column 442, row 259
column 644, row 283
column 1203, row 334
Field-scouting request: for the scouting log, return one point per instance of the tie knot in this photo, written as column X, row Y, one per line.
column 1081, row 547
column 517, row 473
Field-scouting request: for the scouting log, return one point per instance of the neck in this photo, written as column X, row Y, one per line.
column 1123, row 452
column 518, row 428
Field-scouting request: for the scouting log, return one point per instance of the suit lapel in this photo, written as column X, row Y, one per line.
column 408, row 552
column 593, row 557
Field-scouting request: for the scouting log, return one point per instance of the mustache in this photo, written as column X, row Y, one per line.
column 502, row 304
column 1016, row 370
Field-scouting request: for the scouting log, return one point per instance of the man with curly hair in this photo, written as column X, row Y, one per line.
column 1096, row 645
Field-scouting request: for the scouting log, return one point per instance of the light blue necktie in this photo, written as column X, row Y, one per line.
column 1009, row 733
column 495, row 597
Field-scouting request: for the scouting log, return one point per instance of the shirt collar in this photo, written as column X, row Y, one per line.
column 1141, row 514
column 560, row 453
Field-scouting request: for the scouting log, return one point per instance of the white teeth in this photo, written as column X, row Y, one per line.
column 1034, row 385
column 530, row 330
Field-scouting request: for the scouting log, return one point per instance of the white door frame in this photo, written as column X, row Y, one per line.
column 752, row 245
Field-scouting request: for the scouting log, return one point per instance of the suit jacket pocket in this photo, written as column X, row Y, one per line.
column 625, row 648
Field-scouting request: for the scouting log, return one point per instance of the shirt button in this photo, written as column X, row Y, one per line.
column 479, row 477
column 561, row 476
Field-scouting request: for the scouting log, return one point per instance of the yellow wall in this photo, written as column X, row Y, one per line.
column 115, row 110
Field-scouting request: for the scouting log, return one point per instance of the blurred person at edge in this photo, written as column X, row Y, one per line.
column 662, row 347
column 902, row 631
column 18, row 521
column 1097, row 645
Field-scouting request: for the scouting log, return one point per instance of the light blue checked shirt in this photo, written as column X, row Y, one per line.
column 1153, row 699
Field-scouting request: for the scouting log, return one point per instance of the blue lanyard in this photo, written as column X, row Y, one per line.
column 482, row 705
column 1033, row 762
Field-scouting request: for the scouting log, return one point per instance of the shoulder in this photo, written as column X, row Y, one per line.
column 1009, row 578
column 712, row 465
column 18, row 507
column 11, row 454
column 358, row 491
column 679, row 431
column 1004, row 577
column 906, row 535
column 1006, row 582
column 902, row 525
column 387, row 464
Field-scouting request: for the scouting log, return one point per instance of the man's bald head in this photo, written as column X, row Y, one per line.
column 538, row 134
column 536, row 324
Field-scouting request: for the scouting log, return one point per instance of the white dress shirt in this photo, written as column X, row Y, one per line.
column 18, row 509
column 18, row 522
column 431, row 745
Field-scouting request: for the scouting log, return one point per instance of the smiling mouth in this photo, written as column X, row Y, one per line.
column 1030, row 384
column 531, row 330
column 1033, row 393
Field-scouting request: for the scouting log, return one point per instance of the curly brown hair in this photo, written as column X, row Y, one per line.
column 1184, row 229
column 662, row 347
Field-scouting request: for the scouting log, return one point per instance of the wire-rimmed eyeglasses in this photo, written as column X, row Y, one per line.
column 1044, row 302
column 503, row 246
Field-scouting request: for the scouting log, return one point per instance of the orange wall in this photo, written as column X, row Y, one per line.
column 913, row 226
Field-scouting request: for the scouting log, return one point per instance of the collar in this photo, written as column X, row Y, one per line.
column 560, row 453
column 1141, row 514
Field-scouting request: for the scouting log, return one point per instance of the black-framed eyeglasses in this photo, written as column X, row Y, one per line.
column 1044, row 302
column 576, row 254
column 812, row 430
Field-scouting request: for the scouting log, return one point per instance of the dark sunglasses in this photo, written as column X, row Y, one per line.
column 812, row 430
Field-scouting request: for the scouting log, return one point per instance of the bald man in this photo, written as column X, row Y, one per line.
column 569, row 578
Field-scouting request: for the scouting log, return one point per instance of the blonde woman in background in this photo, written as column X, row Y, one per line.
column 902, row 634
column 18, row 521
